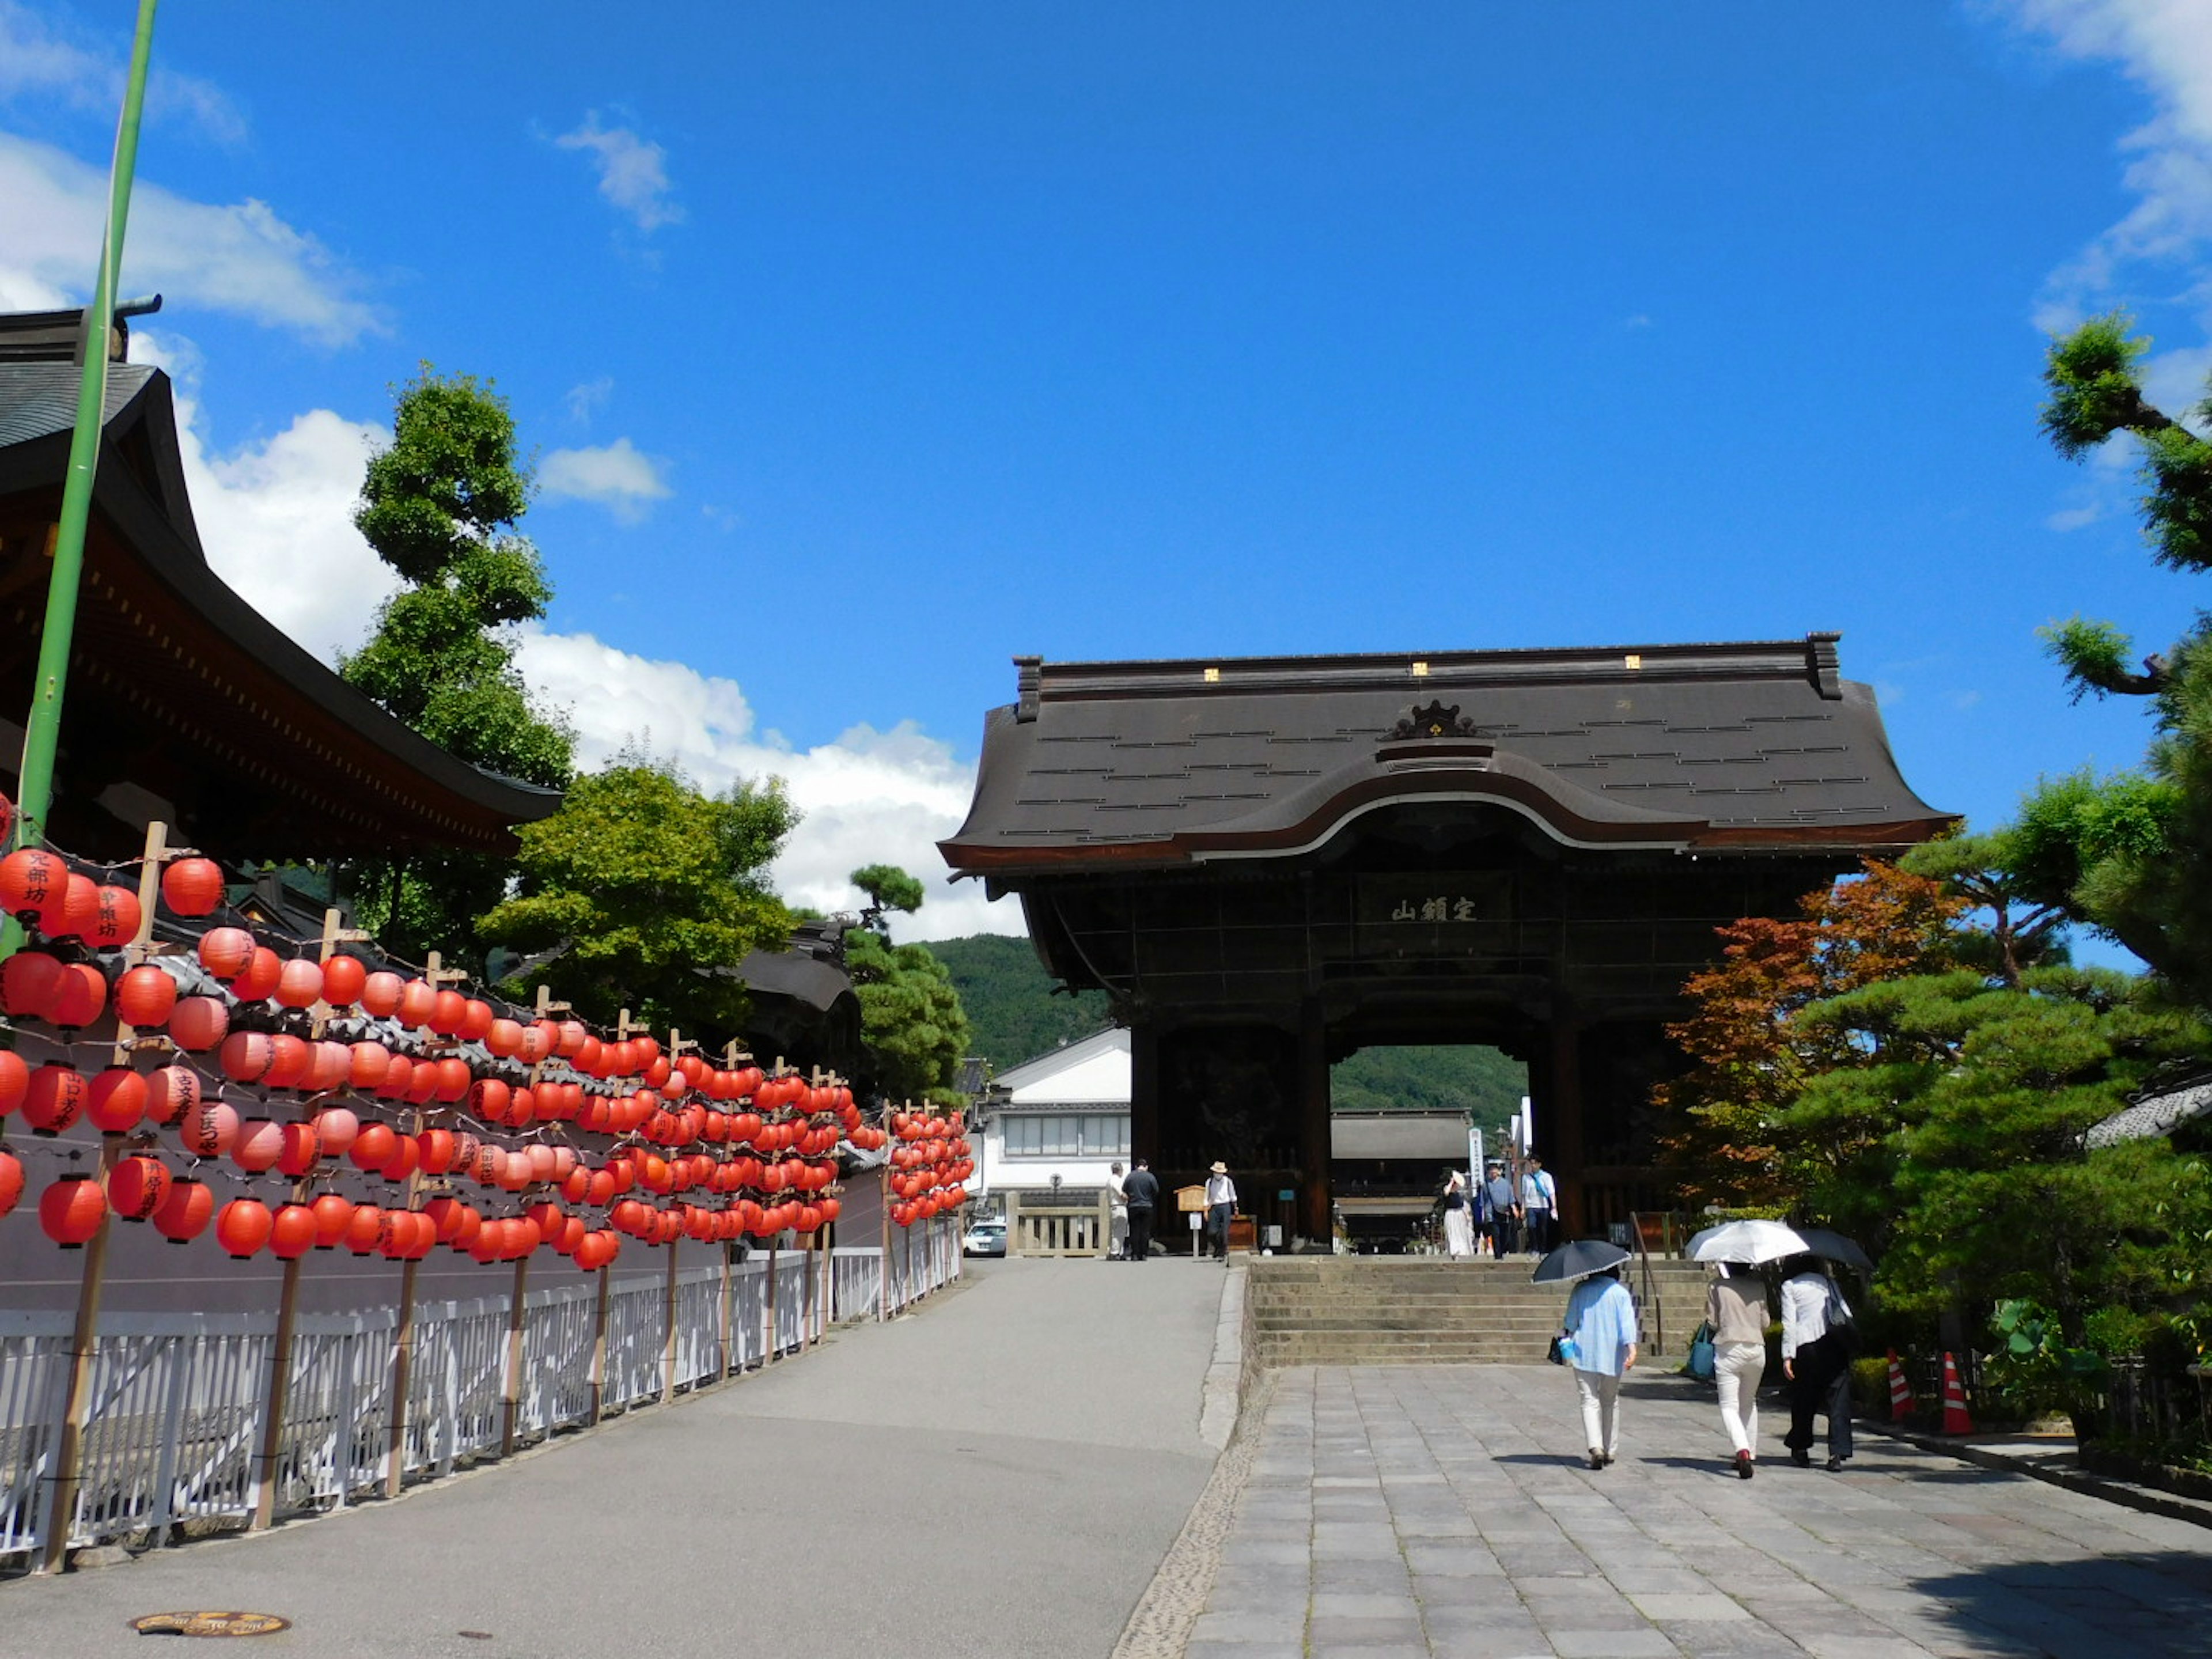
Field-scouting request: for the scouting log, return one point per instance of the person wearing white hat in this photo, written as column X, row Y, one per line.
column 1220, row 1205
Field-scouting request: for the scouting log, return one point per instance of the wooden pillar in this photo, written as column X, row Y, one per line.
column 599, row 1348
column 668, row 1339
column 1316, row 1206
column 511, row 1397
column 1559, row 1125
column 1145, row 1091
column 403, row 1368
column 277, row 1400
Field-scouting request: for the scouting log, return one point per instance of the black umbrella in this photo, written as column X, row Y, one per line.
column 1579, row 1260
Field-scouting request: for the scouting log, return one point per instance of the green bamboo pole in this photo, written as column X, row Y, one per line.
column 42, row 730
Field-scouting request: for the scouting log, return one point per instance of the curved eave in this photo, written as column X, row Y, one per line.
column 153, row 614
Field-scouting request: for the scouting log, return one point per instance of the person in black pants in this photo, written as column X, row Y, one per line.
column 1142, row 1189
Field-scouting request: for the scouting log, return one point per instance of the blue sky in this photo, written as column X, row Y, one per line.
column 864, row 347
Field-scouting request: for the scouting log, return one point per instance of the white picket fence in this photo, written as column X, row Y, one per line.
column 177, row 1402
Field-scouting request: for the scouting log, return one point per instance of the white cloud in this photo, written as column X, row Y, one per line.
column 633, row 172
column 619, row 476
column 583, row 401
column 2165, row 46
column 240, row 259
column 870, row 797
column 38, row 58
column 276, row 517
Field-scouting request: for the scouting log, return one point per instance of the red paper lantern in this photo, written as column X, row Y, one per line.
column 337, row 1128
column 291, row 1231
column 73, row 910
column 380, row 992
column 299, row 983
column 504, row 1038
column 225, row 951
column 289, row 1059
column 200, row 1023
column 487, row 1098
column 145, row 996
column 29, row 879
column 257, row 979
column 208, row 1127
column 54, row 1098
column 475, row 1020
column 192, row 887
column 116, row 1102
column 364, row 1229
column 332, row 1212
column 71, row 1210
column 417, row 1002
column 302, row 1148
column 115, row 917
column 448, row 1008
column 11, row 1182
column 437, row 1147
column 330, row 1066
column 405, row 1153
column 247, row 1055
column 79, row 999
column 373, row 1146
column 243, row 1227
column 367, row 1063
column 184, row 1215
column 27, row 982
column 258, row 1144
column 344, row 979
column 138, row 1186
column 169, row 1091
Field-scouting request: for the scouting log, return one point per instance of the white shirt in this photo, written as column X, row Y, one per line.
column 1219, row 1189
column 1805, row 1310
column 1537, row 1190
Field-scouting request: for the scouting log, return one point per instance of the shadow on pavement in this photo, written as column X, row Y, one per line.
column 2143, row 1602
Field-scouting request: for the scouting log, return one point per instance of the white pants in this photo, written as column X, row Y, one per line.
column 1737, row 1367
column 1601, row 1411
column 1117, row 1233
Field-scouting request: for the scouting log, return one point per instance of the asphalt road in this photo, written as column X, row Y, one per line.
column 999, row 1473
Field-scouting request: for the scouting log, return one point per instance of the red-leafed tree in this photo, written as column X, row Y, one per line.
column 1750, row 1056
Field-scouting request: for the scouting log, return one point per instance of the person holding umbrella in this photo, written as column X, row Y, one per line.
column 1600, row 1333
column 1735, row 1307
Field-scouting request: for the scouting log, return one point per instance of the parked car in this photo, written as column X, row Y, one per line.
column 986, row 1237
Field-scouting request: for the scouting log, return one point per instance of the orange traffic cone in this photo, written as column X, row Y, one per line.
column 1955, row 1420
column 1901, row 1391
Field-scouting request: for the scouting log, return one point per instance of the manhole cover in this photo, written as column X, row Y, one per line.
column 210, row 1624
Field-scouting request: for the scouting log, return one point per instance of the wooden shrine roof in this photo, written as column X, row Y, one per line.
column 183, row 701
column 1747, row 746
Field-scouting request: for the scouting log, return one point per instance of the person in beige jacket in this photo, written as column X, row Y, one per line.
column 1735, row 1307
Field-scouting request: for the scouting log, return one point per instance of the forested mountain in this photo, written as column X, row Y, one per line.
column 1015, row 1016
column 1009, row 1000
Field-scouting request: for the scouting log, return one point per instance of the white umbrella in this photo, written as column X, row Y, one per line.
column 1749, row 1241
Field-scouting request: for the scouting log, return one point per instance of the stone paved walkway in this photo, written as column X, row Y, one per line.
column 1445, row 1510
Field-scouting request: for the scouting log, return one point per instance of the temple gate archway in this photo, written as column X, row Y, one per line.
column 1268, row 863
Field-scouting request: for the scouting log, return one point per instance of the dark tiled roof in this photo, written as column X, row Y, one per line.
column 39, row 399
column 1759, row 744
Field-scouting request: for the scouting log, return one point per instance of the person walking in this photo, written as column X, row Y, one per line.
column 1459, row 1218
column 1817, row 1343
column 1735, row 1307
column 1141, row 1188
column 1220, row 1205
column 1117, row 1220
column 1501, row 1210
column 1539, row 1202
column 1601, row 1323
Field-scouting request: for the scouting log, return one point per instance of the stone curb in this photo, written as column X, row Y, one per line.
column 2126, row 1493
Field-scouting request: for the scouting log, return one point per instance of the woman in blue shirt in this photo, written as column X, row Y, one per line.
column 1602, row 1323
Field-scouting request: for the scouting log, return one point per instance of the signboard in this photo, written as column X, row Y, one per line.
column 1440, row 914
column 1060, row 1198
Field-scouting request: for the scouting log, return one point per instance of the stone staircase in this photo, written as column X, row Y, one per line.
column 1412, row 1310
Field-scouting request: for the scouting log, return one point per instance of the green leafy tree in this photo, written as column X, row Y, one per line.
column 1983, row 1189
column 913, row 1032
column 1015, row 1009
column 640, row 886
column 440, row 505
column 2132, row 854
